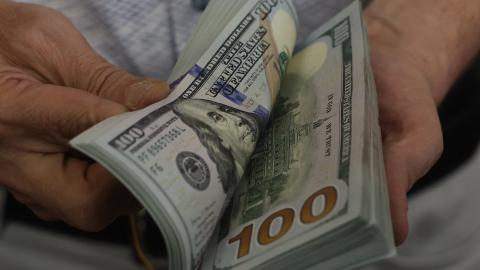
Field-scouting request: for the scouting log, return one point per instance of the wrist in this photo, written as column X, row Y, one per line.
column 437, row 42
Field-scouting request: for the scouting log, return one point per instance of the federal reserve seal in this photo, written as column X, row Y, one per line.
column 194, row 170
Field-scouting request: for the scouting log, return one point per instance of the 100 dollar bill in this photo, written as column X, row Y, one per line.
column 298, row 184
column 184, row 156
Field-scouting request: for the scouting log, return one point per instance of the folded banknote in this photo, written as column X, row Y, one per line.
column 267, row 153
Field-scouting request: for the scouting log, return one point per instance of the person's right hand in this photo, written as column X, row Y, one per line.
column 411, row 131
column 52, row 87
column 418, row 49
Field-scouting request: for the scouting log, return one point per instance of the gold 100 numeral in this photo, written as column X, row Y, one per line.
column 287, row 216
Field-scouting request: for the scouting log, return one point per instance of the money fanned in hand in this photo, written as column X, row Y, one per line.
column 266, row 155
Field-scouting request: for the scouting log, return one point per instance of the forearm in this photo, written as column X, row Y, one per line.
column 440, row 37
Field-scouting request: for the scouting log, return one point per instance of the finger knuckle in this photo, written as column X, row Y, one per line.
column 20, row 198
column 39, row 13
column 76, row 122
column 439, row 145
column 26, row 18
column 44, row 216
column 435, row 146
column 104, row 77
column 440, row 151
column 30, row 32
column 88, row 215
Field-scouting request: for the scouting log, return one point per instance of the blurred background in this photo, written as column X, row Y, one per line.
column 444, row 216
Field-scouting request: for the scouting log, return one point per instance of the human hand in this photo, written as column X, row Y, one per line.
column 411, row 131
column 418, row 49
column 52, row 87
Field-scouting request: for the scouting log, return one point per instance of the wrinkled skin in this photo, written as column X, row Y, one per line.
column 411, row 131
column 52, row 87
column 418, row 49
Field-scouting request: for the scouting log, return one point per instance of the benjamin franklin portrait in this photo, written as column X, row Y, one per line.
column 228, row 134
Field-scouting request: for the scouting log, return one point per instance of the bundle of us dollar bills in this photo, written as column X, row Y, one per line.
column 267, row 154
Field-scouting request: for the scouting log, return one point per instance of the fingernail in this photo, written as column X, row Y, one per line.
column 146, row 92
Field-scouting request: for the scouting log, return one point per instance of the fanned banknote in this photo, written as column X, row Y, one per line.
column 266, row 155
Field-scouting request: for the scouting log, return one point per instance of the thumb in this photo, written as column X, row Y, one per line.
column 54, row 109
column 59, row 54
column 97, row 76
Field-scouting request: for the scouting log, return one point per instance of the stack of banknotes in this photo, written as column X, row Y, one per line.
column 267, row 153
